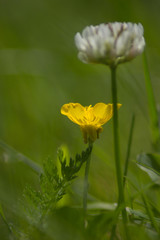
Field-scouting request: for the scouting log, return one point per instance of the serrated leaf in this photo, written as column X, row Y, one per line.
column 69, row 169
column 150, row 163
column 53, row 185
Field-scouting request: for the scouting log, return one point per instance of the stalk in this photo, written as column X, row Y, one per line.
column 121, row 200
column 86, row 185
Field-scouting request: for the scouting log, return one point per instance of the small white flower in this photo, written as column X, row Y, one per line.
column 111, row 43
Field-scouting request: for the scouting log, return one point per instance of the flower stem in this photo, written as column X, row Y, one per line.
column 86, row 184
column 121, row 200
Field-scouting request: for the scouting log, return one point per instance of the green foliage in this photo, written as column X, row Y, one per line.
column 53, row 186
column 15, row 156
column 150, row 163
column 154, row 118
column 69, row 171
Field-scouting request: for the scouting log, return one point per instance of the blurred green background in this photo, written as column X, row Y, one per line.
column 40, row 71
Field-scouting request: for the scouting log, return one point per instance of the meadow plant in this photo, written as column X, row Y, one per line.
column 112, row 44
column 109, row 44
column 90, row 120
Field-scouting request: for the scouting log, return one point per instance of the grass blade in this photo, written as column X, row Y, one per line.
column 150, row 163
column 150, row 214
column 5, row 221
column 152, row 106
column 128, row 150
column 19, row 157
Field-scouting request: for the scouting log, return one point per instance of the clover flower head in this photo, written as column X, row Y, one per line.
column 90, row 119
column 111, row 43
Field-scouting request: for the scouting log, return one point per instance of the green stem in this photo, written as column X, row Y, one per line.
column 116, row 137
column 86, row 184
column 114, row 224
column 121, row 200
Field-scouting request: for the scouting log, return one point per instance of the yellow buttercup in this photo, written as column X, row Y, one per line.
column 90, row 119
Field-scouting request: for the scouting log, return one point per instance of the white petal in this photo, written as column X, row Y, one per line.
column 80, row 42
column 110, row 43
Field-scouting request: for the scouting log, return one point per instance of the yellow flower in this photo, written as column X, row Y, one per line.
column 90, row 119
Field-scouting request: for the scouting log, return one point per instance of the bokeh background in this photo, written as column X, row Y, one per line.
column 40, row 71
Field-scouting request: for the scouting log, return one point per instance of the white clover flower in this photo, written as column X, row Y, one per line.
column 111, row 43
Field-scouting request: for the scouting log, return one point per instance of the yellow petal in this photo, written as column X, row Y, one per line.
column 74, row 111
column 103, row 112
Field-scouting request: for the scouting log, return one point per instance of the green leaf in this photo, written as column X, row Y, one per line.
column 150, row 163
column 140, row 215
column 128, row 149
column 19, row 157
column 71, row 168
column 53, row 186
column 150, row 213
